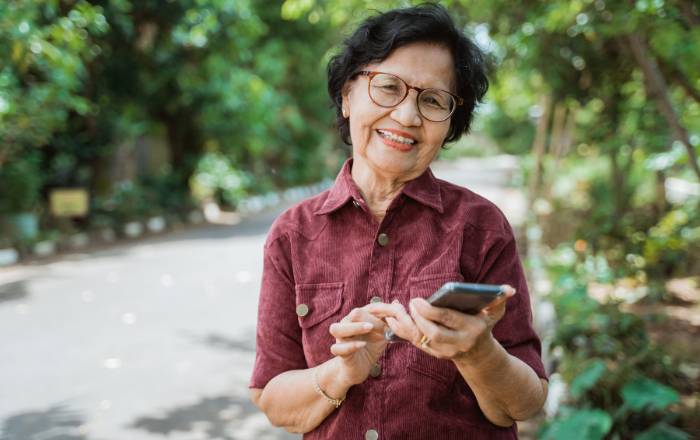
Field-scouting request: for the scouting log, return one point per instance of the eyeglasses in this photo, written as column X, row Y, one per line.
column 387, row 90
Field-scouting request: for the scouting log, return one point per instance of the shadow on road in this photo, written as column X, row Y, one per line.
column 222, row 417
column 13, row 291
column 243, row 343
column 56, row 423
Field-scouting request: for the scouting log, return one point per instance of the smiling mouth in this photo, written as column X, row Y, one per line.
column 396, row 138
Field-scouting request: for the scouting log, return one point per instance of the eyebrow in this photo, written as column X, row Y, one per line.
column 416, row 84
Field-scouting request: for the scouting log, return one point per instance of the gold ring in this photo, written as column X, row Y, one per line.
column 424, row 341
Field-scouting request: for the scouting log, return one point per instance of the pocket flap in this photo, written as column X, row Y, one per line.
column 425, row 285
column 321, row 300
column 441, row 370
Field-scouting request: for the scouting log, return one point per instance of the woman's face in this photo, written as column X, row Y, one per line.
column 422, row 65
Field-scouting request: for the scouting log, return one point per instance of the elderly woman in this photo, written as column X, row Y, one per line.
column 344, row 266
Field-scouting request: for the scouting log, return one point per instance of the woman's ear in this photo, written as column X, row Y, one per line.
column 345, row 104
column 344, row 107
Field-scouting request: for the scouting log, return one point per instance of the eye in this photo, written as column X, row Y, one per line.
column 387, row 87
column 435, row 100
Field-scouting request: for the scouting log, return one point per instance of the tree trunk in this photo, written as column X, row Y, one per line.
column 556, row 140
column 690, row 16
column 660, row 205
column 539, row 145
column 679, row 78
column 657, row 89
column 183, row 144
column 618, row 187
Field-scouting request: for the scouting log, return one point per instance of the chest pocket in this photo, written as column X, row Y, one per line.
column 317, row 307
column 441, row 370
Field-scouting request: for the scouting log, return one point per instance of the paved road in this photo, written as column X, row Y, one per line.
column 154, row 339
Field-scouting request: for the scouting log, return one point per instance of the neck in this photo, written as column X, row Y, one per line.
column 377, row 189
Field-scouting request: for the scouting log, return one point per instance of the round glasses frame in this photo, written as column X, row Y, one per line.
column 371, row 74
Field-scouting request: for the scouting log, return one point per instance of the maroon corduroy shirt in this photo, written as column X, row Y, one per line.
column 325, row 255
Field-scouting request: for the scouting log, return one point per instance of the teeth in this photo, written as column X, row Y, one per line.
column 395, row 137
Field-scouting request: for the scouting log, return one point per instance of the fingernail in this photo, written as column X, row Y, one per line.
column 367, row 326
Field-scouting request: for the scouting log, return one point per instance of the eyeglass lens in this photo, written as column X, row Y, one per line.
column 388, row 90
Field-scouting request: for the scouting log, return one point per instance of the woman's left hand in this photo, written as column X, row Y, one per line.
column 451, row 334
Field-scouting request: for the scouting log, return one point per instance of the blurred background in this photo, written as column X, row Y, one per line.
column 146, row 146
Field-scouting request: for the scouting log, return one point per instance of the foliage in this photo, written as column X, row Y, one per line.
column 80, row 80
column 672, row 245
column 20, row 181
column 45, row 48
column 215, row 179
column 648, row 240
column 621, row 384
column 583, row 424
column 167, row 193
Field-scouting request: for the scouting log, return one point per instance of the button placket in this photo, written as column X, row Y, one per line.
column 381, row 268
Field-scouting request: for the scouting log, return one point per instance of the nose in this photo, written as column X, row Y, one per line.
column 406, row 113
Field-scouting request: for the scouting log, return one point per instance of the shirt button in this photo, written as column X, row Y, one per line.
column 371, row 434
column 375, row 371
column 376, row 299
column 383, row 239
column 302, row 310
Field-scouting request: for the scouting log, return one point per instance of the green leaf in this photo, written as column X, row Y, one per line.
column 645, row 392
column 585, row 424
column 585, row 380
column 662, row 431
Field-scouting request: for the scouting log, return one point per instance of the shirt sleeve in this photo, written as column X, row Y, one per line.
column 500, row 264
column 278, row 335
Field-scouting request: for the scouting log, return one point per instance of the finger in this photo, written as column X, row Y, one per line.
column 408, row 328
column 346, row 348
column 447, row 317
column 383, row 310
column 433, row 331
column 358, row 314
column 350, row 329
column 405, row 330
column 377, row 324
column 495, row 305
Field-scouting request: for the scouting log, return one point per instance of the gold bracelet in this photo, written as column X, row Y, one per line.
column 317, row 387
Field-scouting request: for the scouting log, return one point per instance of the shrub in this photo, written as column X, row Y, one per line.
column 620, row 384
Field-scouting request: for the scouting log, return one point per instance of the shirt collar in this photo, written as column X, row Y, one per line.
column 424, row 189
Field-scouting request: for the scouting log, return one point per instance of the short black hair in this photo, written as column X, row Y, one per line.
column 378, row 36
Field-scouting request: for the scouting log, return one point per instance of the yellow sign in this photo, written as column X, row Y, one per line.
column 69, row 202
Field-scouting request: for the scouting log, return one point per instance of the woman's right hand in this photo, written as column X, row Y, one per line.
column 360, row 340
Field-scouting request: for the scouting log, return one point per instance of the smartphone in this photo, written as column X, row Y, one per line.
column 469, row 298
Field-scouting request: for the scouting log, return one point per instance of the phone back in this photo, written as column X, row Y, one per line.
column 465, row 297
